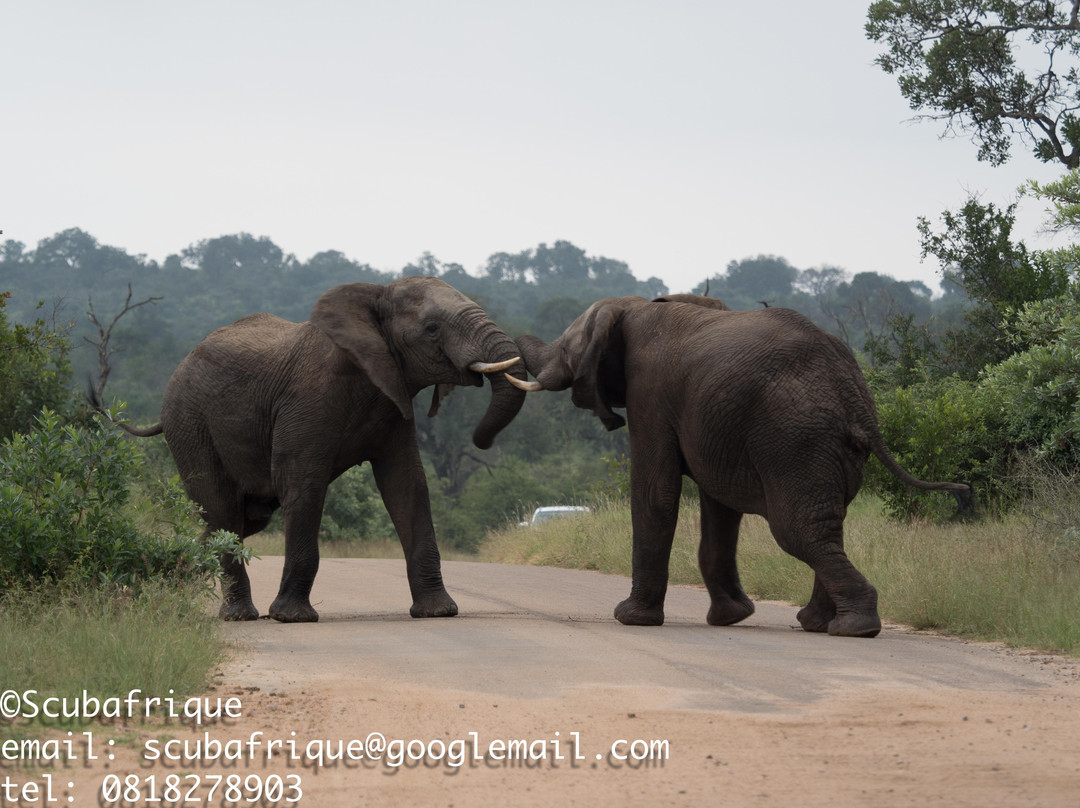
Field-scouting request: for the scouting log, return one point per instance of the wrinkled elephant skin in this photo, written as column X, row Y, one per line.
column 265, row 413
column 769, row 414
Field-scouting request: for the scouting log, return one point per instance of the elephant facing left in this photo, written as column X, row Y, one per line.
column 266, row 413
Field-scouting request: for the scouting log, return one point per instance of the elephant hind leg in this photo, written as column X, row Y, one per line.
column 236, row 602
column 716, row 557
column 819, row 611
column 223, row 509
column 843, row 602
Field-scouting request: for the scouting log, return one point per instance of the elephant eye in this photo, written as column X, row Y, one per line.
column 431, row 329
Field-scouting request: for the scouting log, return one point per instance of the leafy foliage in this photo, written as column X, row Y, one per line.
column 34, row 371
column 965, row 61
column 937, row 430
column 1037, row 389
column 354, row 509
column 553, row 452
column 974, row 403
column 66, row 513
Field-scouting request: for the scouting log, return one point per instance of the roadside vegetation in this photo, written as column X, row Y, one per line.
column 1014, row 579
column 104, row 582
column 99, row 554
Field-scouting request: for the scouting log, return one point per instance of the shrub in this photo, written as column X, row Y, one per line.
column 354, row 508
column 66, row 513
column 1037, row 389
column 938, row 430
column 34, row 371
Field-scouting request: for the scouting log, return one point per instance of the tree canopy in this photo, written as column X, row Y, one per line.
column 997, row 69
column 553, row 453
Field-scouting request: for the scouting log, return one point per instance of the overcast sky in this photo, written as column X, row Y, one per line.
column 676, row 136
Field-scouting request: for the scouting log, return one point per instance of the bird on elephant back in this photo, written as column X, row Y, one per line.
column 768, row 413
column 266, row 413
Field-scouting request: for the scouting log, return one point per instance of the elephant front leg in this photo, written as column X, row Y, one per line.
column 303, row 515
column 655, row 488
column 404, row 490
column 716, row 557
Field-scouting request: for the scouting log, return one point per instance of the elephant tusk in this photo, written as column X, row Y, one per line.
column 493, row 367
column 528, row 387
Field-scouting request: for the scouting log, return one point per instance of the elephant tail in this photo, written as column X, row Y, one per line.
column 145, row 432
column 881, row 452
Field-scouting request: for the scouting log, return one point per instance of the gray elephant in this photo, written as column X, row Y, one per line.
column 765, row 411
column 266, row 413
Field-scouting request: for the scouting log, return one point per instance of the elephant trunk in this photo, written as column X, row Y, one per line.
column 534, row 353
column 506, row 400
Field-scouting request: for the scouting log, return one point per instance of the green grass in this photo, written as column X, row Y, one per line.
column 998, row 579
column 62, row 640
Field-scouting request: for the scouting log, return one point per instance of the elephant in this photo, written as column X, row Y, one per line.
column 699, row 300
column 266, row 413
column 768, row 413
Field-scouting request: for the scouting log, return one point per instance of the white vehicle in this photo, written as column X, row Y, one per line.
column 549, row 512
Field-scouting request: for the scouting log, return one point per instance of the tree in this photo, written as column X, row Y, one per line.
column 34, row 371
column 502, row 266
column 240, row 252
column 564, row 262
column 71, row 249
column 998, row 275
column 765, row 278
column 554, row 315
column 966, row 62
column 426, row 264
column 104, row 350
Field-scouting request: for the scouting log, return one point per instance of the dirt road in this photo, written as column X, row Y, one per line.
column 534, row 695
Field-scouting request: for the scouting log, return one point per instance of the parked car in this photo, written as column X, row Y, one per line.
column 549, row 512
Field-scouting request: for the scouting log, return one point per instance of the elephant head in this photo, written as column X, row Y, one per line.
column 588, row 357
column 419, row 331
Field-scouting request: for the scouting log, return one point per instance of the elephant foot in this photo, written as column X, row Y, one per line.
column 438, row 605
column 726, row 611
column 238, row 610
column 293, row 611
column 815, row 619
column 632, row 613
column 854, row 624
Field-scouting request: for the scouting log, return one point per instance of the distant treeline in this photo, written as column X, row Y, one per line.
column 551, row 453
column 539, row 291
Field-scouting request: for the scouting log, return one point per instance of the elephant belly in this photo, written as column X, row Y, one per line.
column 740, row 492
column 723, row 471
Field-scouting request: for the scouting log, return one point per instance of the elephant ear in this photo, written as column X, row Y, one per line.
column 349, row 315
column 599, row 381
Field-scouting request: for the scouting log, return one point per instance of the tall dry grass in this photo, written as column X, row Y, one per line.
column 1015, row 579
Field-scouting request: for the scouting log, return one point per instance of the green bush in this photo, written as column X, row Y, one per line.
column 1037, row 389
column 34, row 371
column 66, row 513
column 354, row 508
column 939, row 430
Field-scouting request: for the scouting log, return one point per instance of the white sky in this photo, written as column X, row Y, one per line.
column 675, row 135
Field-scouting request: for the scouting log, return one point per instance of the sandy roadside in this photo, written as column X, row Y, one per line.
column 884, row 747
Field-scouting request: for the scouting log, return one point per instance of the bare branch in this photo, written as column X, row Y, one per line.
column 104, row 350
